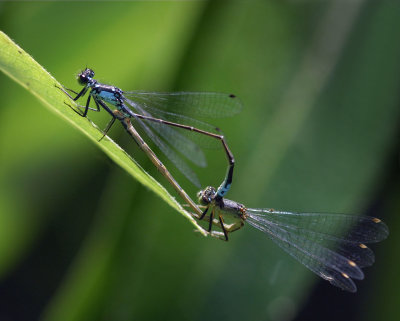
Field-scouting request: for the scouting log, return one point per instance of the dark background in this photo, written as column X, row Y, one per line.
column 320, row 80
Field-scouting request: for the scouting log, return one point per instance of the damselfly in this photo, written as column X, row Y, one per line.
column 330, row 245
column 159, row 115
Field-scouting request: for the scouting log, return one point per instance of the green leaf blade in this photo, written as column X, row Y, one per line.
column 22, row 68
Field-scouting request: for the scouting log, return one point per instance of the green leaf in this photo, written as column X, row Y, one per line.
column 21, row 67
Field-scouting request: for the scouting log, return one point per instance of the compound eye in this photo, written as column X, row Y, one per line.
column 205, row 200
column 82, row 79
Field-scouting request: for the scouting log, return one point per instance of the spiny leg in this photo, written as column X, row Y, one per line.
column 221, row 221
column 80, row 106
column 86, row 107
column 204, row 213
column 114, row 113
column 211, row 221
column 78, row 95
column 234, row 227
column 83, row 91
column 110, row 123
column 74, row 109
column 65, row 88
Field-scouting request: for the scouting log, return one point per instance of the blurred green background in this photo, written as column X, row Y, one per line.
column 320, row 80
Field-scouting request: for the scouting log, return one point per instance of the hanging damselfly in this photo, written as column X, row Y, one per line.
column 331, row 245
column 160, row 115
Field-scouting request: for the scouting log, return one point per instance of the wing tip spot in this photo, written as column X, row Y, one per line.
column 345, row 275
column 363, row 246
column 376, row 220
column 352, row 263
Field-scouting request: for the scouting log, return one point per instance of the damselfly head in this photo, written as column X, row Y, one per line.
column 207, row 195
column 84, row 76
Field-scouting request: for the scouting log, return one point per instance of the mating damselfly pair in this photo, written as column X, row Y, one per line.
column 330, row 245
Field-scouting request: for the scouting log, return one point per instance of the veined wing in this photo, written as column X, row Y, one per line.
column 200, row 139
column 175, row 107
column 190, row 138
column 173, row 157
column 174, row 138
column 181, row 143
column 360, row 229
column 330, row 245
column 196, row 104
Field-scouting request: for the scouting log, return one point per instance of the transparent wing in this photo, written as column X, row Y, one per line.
column 177, row 134
column 200, row 139
column 179, row 142
column 172, row 155
column 196, row 104
column 175, row 138
column 167, row 135
column 330, row 245
column 177, row 107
